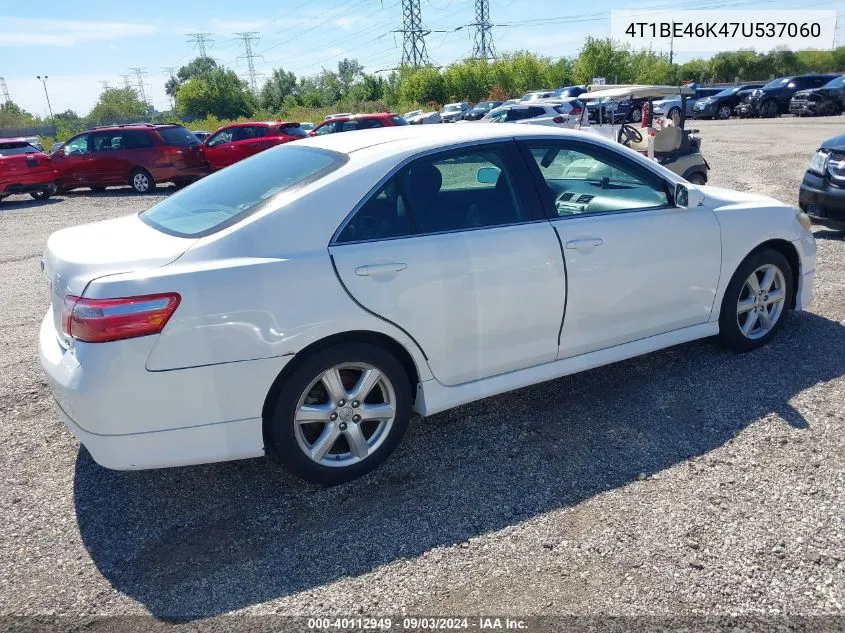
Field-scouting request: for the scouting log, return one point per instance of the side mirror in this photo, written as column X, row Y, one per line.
column 688, row 196
column 488, row 175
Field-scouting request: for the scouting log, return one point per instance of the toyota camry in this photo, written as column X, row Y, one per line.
column 303, row 303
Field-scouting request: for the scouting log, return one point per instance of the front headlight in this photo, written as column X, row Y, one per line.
column 836, row 169
column 818, row 163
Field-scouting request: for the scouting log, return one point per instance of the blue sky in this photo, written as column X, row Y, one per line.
column 85, row 42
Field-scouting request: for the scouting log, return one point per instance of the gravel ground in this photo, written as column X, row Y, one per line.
column 691, row 481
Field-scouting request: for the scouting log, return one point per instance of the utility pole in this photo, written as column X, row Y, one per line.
column 105, row 84
column 201, row 40
column 483, row 46
column 171, row 71
column 671, row 47
column 247, row 39
column 127, row 82
column 413, row 46
column 5, row 91
column 139, row 74
column 43, row 81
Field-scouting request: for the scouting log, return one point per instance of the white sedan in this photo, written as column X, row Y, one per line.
column 304, row 302
column 557, row 114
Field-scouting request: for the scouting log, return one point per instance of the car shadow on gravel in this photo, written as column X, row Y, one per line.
column 26, row 204
column 201, row 541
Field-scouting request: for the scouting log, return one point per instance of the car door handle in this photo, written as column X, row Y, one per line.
column 585, row 243
column 380, row 269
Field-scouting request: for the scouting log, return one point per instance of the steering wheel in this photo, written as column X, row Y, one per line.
column 629, row 134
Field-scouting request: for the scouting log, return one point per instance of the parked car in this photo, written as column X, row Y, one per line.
column 829, row 100
column 25, row 169
column 773, row 99
column 822, row 192
column 671, row 106
column 327, row 291
column 721, row 105
column 453, row 112
column 140, row 155
column 569, row 91
column 307, row 126
column 201, row 134
column 419, row 117
column 537, row 95
column 538, row 113
column 480, row 109
column 233, row 143
column 352, row 122
column 35, row 142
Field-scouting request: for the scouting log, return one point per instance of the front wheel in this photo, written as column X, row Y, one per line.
column 768, row 110
column 723, row 113
column 340, row 413
column 50, row 190
column 697, row 178
column 637, row 115
column 141, row 181
column 673, row 112
column 756, row 301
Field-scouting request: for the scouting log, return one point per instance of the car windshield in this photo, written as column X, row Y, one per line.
column 483, row 105
column 839, row 82
column 178, row 136
column 18, row 147
column 777, row 83
column 293, row 130
column 727, row 92
column 451, row 108
column 232, row 194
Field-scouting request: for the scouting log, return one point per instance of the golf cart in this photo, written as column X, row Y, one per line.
column 667, row 142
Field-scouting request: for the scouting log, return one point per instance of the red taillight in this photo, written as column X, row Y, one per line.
column 575, row 111
column 559, row 119
column 101, row 320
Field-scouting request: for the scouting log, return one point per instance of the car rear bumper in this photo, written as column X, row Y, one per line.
column 822, row 201
column 174, row 174
column 130, row 418
column 31, row 183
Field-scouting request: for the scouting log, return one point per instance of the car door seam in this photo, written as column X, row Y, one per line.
column 565, row 286
column 368, row 311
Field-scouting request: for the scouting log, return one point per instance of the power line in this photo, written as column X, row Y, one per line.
column 482, row 48
column 248, row 38
column 127, row 83
column 5, row 90
column 414, row 52
column 201, row 40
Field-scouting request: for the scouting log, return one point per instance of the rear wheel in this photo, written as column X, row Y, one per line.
column 141, row 181
column 829, row 108
column 756, row 301
column 724, row 112
column 673, row 112
column 697, row 178
column 768, row 109
column 340, row 413
column 50, row 190
column 637, row 115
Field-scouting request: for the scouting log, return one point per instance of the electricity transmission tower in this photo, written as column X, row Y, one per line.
column 5, row 90
column 413, row 46
column 170, row 70
column 482, row 48
column 247, row 39
column 139, row 73
column 105, row 84
column 127, row 82
column 200, row 40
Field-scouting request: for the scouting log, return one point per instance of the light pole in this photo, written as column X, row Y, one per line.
column 43, row 81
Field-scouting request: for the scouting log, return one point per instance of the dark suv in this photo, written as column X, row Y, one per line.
column 139, row 155
column 829, row 100
column 773, row 99
column 721, row 105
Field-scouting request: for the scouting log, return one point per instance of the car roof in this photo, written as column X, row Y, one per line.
column 16, row 139
column 351, row 117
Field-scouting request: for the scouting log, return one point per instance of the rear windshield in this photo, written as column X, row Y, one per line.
column 18, row 147
column 398, row 120
column 230, row 195
column 293, row 130
column 178, row 136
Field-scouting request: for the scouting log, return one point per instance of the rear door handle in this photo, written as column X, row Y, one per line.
column 380, row 269
column 585, row 243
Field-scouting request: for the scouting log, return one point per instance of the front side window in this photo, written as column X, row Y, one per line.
column 106, row 141
column 223, row 136
column 350, row 126
column 76, row 146
column 228, row 196
column 328, row 128
column 582, row 180
column 455, row 191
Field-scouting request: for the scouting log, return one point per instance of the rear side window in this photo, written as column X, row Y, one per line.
column 135, row 139
column 230, row 195
column 178, row 136
column 534, row 111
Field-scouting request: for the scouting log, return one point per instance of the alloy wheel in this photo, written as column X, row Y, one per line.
column 140, row 182
column 345, row 414
column 724, row 112
column 761, row 301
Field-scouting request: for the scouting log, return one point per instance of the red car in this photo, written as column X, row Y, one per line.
column 140, row 155
column 237, row 141
column 25, row 169
column 351, row 122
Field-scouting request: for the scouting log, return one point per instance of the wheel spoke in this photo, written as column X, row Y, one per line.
column 775, row 296
column 745, row 305
column 768, row 279
column 357, row 441
column 334, row 385
column 324, row 443
column 753, row 283
column 369, row 379
column 377, row 411
column 750, row 321
column 313, row 413
column 765, row 319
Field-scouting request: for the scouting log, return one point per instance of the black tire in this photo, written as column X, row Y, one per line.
column 141, row 181
column 280, row 431
column 672, row 112
column 697, row 178
column 181, row 184
column 98, row 188
column 730, row 334
column 829, row 108
column 723, row 113
column 637, row 115
column 769, row 109
column 51, row 190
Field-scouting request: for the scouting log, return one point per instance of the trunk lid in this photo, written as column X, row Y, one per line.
column 76, row 256
column 25, row 163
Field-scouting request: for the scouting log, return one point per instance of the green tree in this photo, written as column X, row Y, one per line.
column 196, row 68
column 118, row 105
column 421, row 85
column 277, row 89
column 219, row 93
column 12, row 115
column 602, row 58
column 349, row 72
column 68, row 123
column 370, row 88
